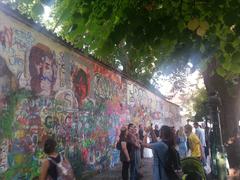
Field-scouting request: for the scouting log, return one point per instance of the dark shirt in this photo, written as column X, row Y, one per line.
column 52, row 169
column 156, row 132
column 131, row 139
column 129, row 149
column 141, row 136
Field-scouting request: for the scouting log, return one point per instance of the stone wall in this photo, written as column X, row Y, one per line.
column 72, row 98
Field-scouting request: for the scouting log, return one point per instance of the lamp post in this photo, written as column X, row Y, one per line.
column 218, row 154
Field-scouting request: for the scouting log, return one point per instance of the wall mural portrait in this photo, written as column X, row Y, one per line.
column 80, row 80
column 43, row 70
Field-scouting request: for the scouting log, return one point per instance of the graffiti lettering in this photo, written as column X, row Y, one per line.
column 23, row 40
column 105, row 88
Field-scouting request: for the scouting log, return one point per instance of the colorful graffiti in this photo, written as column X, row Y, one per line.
column 80, row 103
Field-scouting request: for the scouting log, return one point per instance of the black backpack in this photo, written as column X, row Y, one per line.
column 172, row 164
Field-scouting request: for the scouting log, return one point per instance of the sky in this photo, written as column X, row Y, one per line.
column 193, row 82
column 192, row 79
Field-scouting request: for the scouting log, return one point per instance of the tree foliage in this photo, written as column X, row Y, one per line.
column 200, row 104
column 140, row 35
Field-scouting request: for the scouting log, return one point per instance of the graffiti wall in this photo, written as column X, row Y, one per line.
column 80, row 103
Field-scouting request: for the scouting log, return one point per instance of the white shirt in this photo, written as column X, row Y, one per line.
column 201, row 135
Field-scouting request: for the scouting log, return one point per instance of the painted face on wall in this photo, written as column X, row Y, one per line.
column 42, row 68
column 80, row 85
column 81, row 88
column 46, row 73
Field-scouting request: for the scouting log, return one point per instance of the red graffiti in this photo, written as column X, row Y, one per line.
column 84, row 154
column 98, row 134
column 22, row 120
column 107, row 73
column 6, row 37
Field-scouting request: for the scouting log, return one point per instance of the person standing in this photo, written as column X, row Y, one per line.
column 194, row 142
column 182, row 143
column 134, row 143
column 156, row 131
column 124, row 153
column 201, row 135
column 141, row 136
column 160, row 149
column 138, row 154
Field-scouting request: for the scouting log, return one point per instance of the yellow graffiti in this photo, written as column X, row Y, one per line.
column 20, row 134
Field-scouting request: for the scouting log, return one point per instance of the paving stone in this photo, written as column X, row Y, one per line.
column 115, row 173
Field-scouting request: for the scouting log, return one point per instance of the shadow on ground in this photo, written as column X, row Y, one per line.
column 115, row 173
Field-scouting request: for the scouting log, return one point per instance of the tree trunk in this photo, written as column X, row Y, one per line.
column 229, row 111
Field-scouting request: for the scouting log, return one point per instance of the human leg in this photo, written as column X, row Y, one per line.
column 125, row 167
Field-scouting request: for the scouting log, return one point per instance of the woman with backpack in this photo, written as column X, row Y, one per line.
column 54, row 166
column 125, row 149
column 162, row 152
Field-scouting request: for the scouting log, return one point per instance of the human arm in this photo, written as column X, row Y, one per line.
column 153, row 146
column 44, row 169
column 153, row 135
column 202, row 152
column 144, row 142
column 66, row 160
column 146, row 145
column 137, row 144
column 134, row 140
column 125, row 151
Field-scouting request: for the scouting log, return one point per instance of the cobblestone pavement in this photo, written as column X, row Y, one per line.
column 115, row 173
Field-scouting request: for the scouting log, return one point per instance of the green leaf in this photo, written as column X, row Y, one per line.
column 220, row 71
column 230, row 37
column 235, row 68
column 235, row 43
column 236, row 57
column 230, row 18
column 26, row 1
column 76, row 17
column 227, row 65
column 202, row 48
column 47, row 2
column 181, row 26
column 72, row 28
column 37, row 10
column 229, row 48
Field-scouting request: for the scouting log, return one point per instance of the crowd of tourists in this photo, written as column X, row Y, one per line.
column 168, row 146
